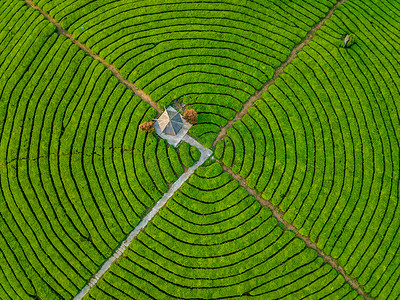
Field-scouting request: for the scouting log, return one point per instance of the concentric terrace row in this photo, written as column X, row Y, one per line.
column 76, row 176
column 323, row 143
column 212, row 55
column 214, row 241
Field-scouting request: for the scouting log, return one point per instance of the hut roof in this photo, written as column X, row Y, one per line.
column 170, row 121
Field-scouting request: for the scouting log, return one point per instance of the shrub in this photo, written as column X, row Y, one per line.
column 147, row 126
column 184, row 154
column 195, row 153
column 190, row 116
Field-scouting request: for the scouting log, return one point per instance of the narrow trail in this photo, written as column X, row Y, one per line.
column 288, row 226
column 205, row 154
column 110, row 67
column 278, row 71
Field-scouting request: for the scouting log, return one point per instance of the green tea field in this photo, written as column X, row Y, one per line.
column 286, row 187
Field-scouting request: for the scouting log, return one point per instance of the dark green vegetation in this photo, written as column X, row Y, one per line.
column 76, row 175
column 188, row 154
column 214, row 241
column 212, row 55
column 323, row 143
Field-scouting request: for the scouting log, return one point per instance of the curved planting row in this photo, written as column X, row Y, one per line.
column 323, row 143
column 188, row 154
column 214, row 241
column 212, row 55
column 75, row 174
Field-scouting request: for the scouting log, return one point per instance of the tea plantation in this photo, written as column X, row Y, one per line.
column 323, row 144
column 212, row 55
column 76, row 176
column 300, row 199
column 214, row 241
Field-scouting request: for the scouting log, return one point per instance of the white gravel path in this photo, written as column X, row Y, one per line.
column 205, row 154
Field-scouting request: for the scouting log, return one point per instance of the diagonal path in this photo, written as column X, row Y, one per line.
column 205, row 154
column 278, row 71
column 288, row 226
column 110, row 67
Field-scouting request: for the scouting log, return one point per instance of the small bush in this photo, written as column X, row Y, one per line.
column 195, row 153
column 184, row 154
column 147, row 126
column 190, row 116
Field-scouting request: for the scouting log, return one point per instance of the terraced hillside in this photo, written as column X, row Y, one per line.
column 214, row 241
column 76, row 175
column 212, row 55
column 323, row 143
column 320, row 148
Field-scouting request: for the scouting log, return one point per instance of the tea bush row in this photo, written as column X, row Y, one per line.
column 323, row 143
column 210, row 55
column 75, row 174
column 188, row 154
column 214, row 241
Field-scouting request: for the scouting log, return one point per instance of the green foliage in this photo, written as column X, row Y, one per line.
column 188, row 154
column 75, row 174
column 175, row 161
column 213, row 236
column 165, row 162
column 219, row 150
column 195, row 153
column 211, row 59
column 322, row 144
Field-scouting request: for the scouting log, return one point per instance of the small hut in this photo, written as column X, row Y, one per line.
column 171, row 126
column 170, row 122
